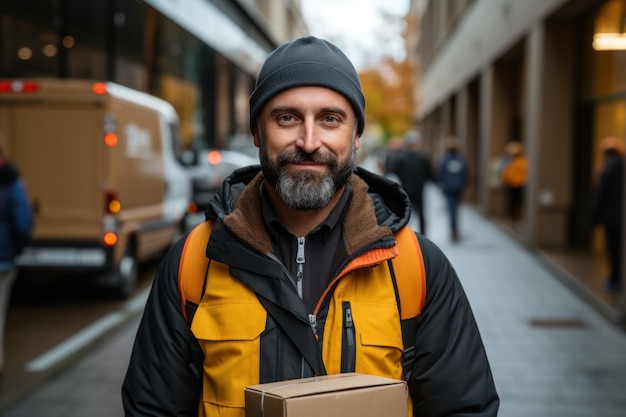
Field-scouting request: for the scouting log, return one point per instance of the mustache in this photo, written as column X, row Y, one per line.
column 299, row 156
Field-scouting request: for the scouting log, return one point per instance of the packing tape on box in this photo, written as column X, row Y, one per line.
column 288, row 384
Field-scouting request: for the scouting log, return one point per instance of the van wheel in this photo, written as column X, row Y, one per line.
column 127, row 275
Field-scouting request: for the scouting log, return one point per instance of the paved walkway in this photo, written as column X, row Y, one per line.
column 552, row 354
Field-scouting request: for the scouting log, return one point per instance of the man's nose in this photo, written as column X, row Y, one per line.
column 309, row 136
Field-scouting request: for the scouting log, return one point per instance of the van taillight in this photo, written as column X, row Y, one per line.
column 112, row 204
column 109, row 238
column 99, row 88
column 18, row 87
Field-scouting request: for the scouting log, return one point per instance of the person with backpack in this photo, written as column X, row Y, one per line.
column 452, row 178
column 16, row 224
column 305, row 266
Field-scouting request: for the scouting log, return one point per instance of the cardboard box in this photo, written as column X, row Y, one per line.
column 338, row 395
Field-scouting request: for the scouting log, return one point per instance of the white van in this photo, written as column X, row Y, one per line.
column 101, row 165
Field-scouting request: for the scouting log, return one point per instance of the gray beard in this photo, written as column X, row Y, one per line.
column 306, row 191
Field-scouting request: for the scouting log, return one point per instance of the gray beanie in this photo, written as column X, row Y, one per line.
column 307, row 61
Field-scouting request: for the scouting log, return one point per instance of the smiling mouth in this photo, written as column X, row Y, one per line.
column 308, row 165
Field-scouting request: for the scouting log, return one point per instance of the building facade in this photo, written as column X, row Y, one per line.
column 200, row 55
column 550, row 74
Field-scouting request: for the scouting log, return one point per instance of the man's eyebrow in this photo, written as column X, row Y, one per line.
column 337, row 110
column 294, row 109
column 282, row 109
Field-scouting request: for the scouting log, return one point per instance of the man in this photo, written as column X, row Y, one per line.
column 606, row 207
column 298, row 282
column 452, row 178
column 413, row 169
column 395, row 150
column 16, row 223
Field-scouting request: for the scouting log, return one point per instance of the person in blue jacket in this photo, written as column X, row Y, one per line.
column 16, row 224
column 452, row 178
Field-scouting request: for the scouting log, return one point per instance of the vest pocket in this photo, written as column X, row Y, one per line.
column 229, row 332
column 379, row 348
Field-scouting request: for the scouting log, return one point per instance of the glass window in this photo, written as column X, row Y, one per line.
column 609, row 49
column 29, row 45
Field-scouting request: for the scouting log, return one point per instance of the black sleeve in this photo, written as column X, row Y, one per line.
column 451, row 375
column 164, row 373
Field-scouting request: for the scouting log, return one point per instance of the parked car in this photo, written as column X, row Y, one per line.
column 244, row 143
column 208, row 174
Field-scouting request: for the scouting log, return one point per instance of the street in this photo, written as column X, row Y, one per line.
column 50, row 323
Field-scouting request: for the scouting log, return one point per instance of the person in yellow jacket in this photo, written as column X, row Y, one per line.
column 514, row 175
column 299, row 281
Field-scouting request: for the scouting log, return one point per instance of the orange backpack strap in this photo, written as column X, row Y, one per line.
column 409, row 278
column 192, row 269
column 410, row 274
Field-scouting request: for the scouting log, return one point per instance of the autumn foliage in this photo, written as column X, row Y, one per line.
column 389, row 89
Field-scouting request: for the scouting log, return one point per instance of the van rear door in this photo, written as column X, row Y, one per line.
column 58, row 149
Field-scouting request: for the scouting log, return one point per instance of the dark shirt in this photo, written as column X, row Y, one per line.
column 320, row 247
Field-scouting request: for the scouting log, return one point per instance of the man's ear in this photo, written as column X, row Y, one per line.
column 256, row 134
column 357, row 142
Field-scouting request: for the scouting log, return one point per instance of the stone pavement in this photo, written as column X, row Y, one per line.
column 552, row 354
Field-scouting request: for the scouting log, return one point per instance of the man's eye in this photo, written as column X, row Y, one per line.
column 330, row 119
column 286, row 118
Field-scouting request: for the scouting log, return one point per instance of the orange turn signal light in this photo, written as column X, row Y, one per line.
column 109, row 238
column 110, row 138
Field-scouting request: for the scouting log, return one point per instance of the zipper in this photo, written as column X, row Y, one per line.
column 313, row 322
column 348, row 345
column 300, row 262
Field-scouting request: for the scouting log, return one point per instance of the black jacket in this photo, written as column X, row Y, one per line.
column 606, row 203
column 413, row 168
column 451, row 375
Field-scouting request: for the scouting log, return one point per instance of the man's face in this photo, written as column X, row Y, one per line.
column 308, row 142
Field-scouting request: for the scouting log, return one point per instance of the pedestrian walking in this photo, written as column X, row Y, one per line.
column 452, row 178
column 393, row 153
column 299, row 276
column 607, row 203
column 514, row 174
column 413, row 168
column 16, row 223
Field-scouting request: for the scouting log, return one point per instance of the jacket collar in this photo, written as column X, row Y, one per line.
column 378, row 208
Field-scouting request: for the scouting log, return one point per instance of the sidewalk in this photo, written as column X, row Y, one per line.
column 551, row 353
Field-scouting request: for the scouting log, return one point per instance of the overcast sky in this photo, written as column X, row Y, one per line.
column 366, row 30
